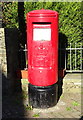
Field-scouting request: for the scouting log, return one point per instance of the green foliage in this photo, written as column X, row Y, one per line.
column 36, row 115
column 10, row 14
column 75, row 103
column 69, row 16
column 28, row 107
column 68, row 108
column 70, row 19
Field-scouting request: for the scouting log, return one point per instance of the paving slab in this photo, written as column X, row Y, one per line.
column 73, row 83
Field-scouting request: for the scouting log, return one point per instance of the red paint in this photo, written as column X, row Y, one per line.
column 42, row 55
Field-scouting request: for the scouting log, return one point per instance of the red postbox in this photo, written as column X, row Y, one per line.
column 42, row 37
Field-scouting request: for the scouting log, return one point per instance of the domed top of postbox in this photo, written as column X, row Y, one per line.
column 42, row 13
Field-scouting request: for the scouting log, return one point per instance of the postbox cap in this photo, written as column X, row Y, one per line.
column 42, row 13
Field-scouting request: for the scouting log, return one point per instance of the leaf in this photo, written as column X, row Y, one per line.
column 68, row 108
column 36, row 115
column 75, row 103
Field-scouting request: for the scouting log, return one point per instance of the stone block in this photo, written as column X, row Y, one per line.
column 72, row 83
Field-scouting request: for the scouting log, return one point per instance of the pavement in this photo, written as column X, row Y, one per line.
column 69, row 104
column 72, row 83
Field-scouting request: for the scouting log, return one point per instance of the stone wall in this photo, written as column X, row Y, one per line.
column 9, row 50
column 3, row 59
column 3, row 52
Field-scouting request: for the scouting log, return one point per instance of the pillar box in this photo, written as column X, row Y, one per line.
column 42, row 43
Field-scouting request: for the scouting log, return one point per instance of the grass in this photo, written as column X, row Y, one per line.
column 75, row 103
column 28, row 107
column 36, row 115
column 61, row 96
column 68, row 108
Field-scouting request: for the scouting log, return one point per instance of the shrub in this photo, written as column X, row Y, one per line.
column 70, row 20
column 10, row 14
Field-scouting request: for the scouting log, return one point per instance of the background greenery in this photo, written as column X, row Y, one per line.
column 10, row 14
column 70, row 20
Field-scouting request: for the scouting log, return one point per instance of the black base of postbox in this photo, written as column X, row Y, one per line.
column 43, row 97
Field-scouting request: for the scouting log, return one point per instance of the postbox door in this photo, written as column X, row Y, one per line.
column 42, row 60
column 41, row 50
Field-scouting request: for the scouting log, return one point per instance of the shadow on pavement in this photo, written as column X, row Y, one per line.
column 13, row 97
column 81, row 118
column 63, row 42
column 60, row 83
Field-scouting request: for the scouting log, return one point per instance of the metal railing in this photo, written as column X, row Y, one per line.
column 75, row 58
column 21, row 52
